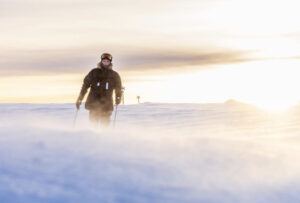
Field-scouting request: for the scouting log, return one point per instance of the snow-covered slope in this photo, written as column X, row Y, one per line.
column 223, row 152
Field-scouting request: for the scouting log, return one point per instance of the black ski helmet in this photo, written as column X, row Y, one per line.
column 106, row 56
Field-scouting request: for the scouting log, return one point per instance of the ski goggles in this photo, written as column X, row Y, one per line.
column 106, row 56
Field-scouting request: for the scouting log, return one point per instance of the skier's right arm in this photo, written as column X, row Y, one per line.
column 86, row 84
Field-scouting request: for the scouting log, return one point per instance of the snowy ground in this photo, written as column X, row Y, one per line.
column 227, row 152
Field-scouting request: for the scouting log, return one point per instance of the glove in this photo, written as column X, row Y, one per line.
column 118, row 100
column 78, row 103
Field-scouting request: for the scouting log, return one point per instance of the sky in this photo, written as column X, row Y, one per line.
column 193, row 51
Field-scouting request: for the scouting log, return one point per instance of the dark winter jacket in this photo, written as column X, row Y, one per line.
column 102, row 82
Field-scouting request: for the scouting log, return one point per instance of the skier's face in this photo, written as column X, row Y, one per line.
column 105, row 62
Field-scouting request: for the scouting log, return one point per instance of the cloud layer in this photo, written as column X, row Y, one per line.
column 74, row 61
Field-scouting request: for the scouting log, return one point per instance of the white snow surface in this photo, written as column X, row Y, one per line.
column 219, row 152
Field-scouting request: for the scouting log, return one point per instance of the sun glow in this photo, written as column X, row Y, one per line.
column 276, row 106
column 269, row 84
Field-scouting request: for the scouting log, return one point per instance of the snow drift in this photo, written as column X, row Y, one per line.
column 223, row 152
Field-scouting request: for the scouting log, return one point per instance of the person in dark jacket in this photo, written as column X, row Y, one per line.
column 102, row 81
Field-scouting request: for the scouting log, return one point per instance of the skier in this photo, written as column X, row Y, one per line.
column 102, row 80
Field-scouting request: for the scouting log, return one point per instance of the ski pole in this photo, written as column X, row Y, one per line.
column 115, row 116
column 74, row 121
